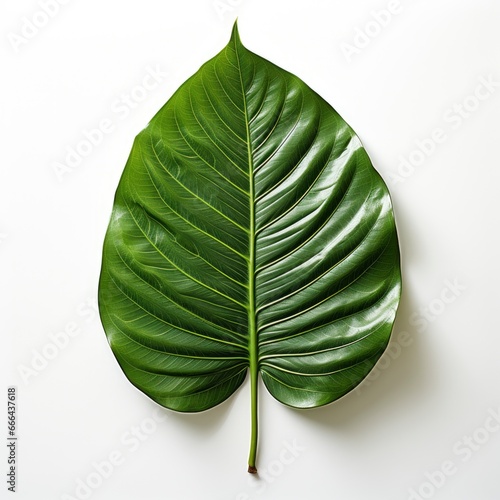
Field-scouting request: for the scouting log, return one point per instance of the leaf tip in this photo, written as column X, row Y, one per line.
column 252, row 469
column 235, row 35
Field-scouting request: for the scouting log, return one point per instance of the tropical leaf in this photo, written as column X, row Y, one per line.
column 249, row 232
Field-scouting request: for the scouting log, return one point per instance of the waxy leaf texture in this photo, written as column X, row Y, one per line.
column 250, row 233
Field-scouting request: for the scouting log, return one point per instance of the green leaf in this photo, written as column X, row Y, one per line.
column 249, row 232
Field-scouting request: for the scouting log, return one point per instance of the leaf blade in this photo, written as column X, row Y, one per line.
column 249, row 231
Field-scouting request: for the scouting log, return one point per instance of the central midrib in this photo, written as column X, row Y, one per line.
column 252, row 327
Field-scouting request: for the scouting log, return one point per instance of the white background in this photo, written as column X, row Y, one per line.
column 436, row 388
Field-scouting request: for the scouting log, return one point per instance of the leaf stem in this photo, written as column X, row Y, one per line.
column 255, row 424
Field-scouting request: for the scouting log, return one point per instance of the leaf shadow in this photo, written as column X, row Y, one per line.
column 397, row 375
column 400, row 375
column 205, row 423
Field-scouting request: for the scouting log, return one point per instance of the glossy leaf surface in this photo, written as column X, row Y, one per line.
column 249, row 230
